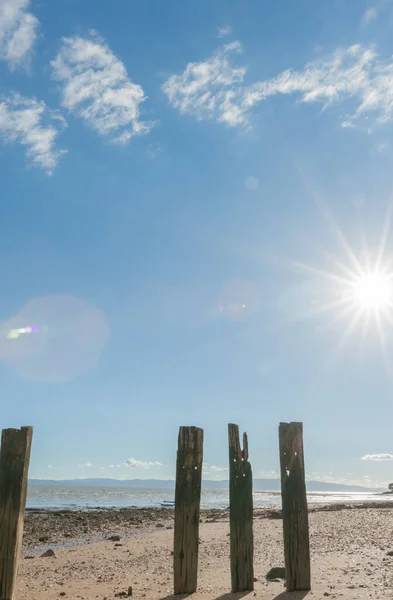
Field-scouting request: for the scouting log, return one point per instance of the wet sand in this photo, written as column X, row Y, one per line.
column 349, row 550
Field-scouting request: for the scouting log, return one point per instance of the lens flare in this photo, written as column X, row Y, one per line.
column 14, row 334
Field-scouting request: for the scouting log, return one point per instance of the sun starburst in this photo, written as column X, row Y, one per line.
column 357, row 294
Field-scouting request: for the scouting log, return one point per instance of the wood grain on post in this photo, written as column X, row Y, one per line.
column 14, row 466
column 294, row 508
column 187, row 509
column 240, row 513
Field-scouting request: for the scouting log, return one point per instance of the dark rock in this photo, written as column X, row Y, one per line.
column 117, row 545
column 29, row 557
column 43, row 538
column 114, row 538
column 129, row 590
column 390, row 553
column 62, row 593
column 274, row 514
column 159, row 525
column 48, row 553
column 276, row 573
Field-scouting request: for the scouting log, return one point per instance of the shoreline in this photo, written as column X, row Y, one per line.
column 44, row 528
column 351, row 554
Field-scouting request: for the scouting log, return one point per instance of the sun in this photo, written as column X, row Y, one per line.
column 353, row 293
column 373, row 291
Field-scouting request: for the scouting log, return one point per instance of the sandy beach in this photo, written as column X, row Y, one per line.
column 349, row 549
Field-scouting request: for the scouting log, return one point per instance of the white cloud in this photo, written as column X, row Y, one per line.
column 30, row 122
column 49, row 467
column 370, row 15
column 18, row 31
column 210, row 89
column 97, row 88
column 268, row 474
column 355, row 76
column 140, row 464
column 224, row 31
column 378, row 457
column 214, row 468
column 87, row 465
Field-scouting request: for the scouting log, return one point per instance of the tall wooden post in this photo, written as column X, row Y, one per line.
column 14, row 466
column 240, row 513
column 294, row 508
column 187, row 508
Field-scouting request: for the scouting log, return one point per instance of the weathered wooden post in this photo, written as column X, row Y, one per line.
column 187, row 508
column 240, row 513
column 14, row 466
column 294, row 508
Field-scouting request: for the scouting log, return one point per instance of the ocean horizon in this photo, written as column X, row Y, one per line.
column 85, row 497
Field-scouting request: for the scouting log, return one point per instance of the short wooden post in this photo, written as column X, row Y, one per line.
column 14, row 466
column 187, row 508
column 240, row 513
column 294, row 508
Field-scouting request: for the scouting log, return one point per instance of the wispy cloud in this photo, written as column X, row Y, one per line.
column 18, row 31
column 140, row 464
column 214, row 468
column 210, row 89
column 96, row 87
column 86, row 465
column 224, row 31
column 355, row 76
column 32, row 124
column 370, row 15
column 49, row 467
column 378, row 457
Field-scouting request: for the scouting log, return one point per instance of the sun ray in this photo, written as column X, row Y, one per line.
column 384, row 236
column 340, row 265
column 342, row 239
column 315, row 271
column 382, row 339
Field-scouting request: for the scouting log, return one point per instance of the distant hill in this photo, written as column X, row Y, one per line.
column 270, row 485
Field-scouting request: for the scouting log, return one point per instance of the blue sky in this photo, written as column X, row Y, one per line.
column 187, row 192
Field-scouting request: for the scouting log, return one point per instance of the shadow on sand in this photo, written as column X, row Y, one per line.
column 291, row 596
column 229, row 596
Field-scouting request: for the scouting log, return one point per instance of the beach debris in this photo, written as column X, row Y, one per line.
column 48, row 553
column 114, row 538
column 276, row 573
column 126, row 594
column 29, row 557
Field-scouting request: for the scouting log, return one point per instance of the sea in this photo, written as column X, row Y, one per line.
column 61, row 497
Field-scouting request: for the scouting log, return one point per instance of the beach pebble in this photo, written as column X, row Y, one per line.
column 114, row 538
column 276, row 573
column 48, row 553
